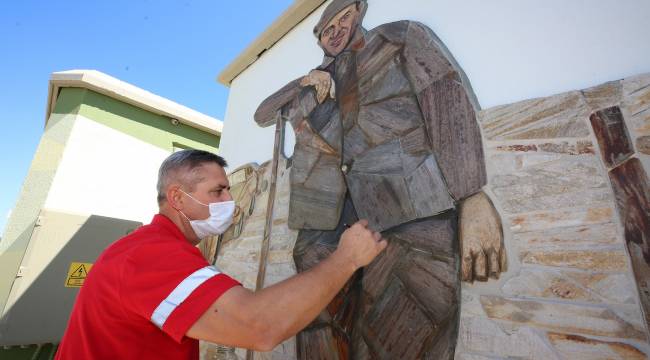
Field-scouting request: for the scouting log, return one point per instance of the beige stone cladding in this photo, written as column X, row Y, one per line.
column 570, row 292
column 240, row 257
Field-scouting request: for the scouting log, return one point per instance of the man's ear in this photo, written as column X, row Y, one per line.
column 175, row 197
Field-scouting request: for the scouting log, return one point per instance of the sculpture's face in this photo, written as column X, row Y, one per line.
column 337, row 33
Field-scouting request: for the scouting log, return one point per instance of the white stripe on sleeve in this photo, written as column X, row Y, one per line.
column 181, row 293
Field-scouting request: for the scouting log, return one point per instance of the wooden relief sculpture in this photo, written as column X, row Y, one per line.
column 243, row 188
column 386, row 131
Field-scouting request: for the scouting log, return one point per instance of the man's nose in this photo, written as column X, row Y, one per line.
column 227, row 195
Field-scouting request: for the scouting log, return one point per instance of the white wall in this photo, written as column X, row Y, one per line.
column 511, row 50
column 115, row 177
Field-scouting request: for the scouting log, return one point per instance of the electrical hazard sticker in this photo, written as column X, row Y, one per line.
column 77, row 274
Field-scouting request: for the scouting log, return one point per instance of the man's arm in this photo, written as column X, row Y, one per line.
column 322, row 84
column 449, row 111
column 261, row 320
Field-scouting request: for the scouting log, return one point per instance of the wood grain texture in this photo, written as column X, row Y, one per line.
column 632, row 189
column 612, row 135
column 267, row 110
column 388, row 200
column 426, row 61
column 455, row 136
column 390, row 118
column 405, row 306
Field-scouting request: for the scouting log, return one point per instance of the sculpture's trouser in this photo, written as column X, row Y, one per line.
column 402, row 306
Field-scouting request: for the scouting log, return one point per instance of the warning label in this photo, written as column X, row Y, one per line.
column 77, row 274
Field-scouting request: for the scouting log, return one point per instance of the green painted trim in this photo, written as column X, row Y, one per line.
column 152, row 128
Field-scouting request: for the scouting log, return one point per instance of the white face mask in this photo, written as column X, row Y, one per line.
column 220, row 219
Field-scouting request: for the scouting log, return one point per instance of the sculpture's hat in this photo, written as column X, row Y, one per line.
column 334, row 8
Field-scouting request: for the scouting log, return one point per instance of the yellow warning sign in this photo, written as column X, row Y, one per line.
column 77, row 274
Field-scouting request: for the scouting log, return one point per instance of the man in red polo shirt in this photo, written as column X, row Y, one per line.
column 152, row 295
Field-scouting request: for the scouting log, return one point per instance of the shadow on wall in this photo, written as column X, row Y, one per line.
column 40, row 314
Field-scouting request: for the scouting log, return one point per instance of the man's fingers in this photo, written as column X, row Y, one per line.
column 321, row 94
column 493, row 259
column 480, row 266
column 362, row 222
column 376, row 235
column 305, row 81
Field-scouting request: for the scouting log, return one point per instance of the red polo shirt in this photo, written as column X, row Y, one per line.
column 142, row 295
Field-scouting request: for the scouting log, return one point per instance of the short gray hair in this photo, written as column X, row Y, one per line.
column 181, row 166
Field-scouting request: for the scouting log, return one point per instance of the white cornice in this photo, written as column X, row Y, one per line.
column 130, row 94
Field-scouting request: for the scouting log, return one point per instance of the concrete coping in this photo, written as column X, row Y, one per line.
column 109, row 86
column 291, row 17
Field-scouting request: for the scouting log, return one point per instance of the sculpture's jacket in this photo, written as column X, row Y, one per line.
column 401, row 134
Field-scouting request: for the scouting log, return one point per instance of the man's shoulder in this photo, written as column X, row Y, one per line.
column 147, row 238
column 398, row 32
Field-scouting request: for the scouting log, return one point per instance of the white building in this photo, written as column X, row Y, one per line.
column 570, row 290
column 92, row 180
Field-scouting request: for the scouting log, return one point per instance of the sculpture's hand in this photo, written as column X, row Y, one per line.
column 321, row 81
column 483, row 253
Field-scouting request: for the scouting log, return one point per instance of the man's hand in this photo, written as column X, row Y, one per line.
column 481, row 240
column 360, row 245
column 261, row 320
column 321, row 81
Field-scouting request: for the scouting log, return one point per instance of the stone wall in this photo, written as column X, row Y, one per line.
column 240, row 257
column 570, row 290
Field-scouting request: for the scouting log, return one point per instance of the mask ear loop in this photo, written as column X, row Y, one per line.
column 192, row 197
column 182, row 213
column 185, row 216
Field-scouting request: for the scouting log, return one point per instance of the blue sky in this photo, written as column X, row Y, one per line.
column 173, row 48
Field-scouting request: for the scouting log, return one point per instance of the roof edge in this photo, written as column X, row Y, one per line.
column 291, row 17
column 114, row 88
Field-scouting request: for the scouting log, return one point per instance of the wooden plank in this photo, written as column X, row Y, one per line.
column 455, row 136
column 266, row 241
column 399, row 327
column 612, row 136
column 632, row 189
column 426, row 62
column 266, row 112
column 390, row 118
column 387, row 82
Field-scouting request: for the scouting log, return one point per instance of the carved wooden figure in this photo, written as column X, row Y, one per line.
column 386, row 131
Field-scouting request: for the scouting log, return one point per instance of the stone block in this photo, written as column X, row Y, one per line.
column 577, row 347
column 559, row 218
column 559, row 116
column 572, row 285
column 611, row 288
column 580, row 147
column 636, row 103
column 566, row 318
column 478, row 334
column 569, row 181
column 603, row 96
column 466, row 356
column 643, row 144
column 610, row 260
column 545, row 284
column 574, row 147
column 569, row 237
